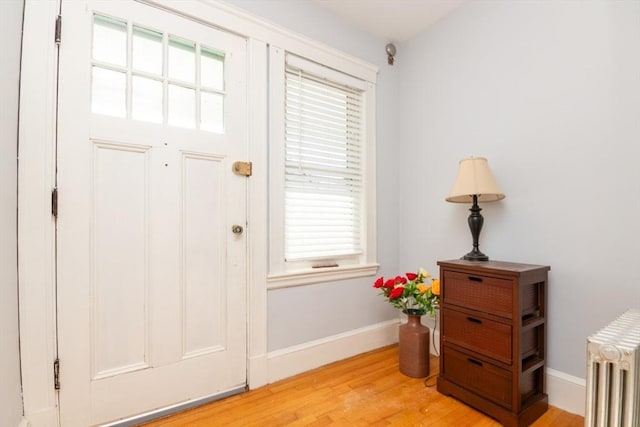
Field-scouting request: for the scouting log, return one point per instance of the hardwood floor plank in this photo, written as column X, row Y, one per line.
column 366, row 390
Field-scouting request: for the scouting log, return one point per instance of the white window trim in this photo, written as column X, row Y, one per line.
column 281, row 274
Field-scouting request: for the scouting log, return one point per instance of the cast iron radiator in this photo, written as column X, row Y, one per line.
column 613, row 374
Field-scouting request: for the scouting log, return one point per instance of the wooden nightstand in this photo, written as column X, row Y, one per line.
column 493, row 337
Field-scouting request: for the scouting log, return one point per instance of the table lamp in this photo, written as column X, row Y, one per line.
column 475, row 184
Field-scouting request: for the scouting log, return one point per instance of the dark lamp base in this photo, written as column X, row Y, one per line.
column 475, row 225
column 476, row 256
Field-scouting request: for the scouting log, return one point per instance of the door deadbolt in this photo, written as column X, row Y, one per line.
column 237, row 229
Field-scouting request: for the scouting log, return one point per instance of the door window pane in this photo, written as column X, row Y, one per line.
column 156, row 77
column 108, row 92
column 182, row 60
column 146, row 99
column 182, row 107
column 212, row 112
column 212, row 69
column 109, row 40
column 147, row 50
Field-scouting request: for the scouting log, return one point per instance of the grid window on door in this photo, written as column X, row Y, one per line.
column 143, row 74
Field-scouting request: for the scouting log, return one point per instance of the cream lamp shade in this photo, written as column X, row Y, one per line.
column 475, row 184
column 474, row 178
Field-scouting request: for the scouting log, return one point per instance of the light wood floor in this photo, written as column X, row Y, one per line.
column 366, row 390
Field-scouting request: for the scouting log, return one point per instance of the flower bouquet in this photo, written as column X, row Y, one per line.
column 409, row 292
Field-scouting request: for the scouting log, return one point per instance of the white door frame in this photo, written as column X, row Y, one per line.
column 36, row 179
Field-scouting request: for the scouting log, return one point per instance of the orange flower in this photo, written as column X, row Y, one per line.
column 435, row 286
column 422, row 288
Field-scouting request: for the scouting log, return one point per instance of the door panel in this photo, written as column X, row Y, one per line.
column 120, row 266
column 151, row 280
column 203, row 309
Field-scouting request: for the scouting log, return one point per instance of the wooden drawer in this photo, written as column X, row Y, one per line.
column 488, row 294
column 493, row 339
column 479, row 377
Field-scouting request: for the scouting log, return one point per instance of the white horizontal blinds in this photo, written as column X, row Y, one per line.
column 323, row 167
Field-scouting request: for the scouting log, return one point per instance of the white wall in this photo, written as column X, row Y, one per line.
column 299, row 315
column 549, row 92
column 10, row 391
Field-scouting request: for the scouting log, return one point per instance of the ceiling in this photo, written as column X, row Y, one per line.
column 391, row 20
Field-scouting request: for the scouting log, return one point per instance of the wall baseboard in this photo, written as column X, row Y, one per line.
column 301, row 358
column 304, row 357
column 566, row 392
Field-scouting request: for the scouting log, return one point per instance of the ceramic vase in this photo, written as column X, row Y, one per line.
column 413, row 343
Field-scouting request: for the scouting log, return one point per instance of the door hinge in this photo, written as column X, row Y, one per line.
column 58, row 31
column 56, row 374
column 54, row 202
column 243, row 168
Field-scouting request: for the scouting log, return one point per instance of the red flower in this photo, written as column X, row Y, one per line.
column 400, row 279
column 378, row 283
column 396, row 292
column 412, row 276
column 390, row 283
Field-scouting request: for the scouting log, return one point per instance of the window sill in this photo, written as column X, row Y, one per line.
column 307, row 277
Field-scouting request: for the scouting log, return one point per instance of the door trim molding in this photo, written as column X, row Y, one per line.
column 36, row 226
column 257, row 240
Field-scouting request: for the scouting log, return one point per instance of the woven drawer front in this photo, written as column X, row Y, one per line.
column 487, row 294
column 493, row 339
column 479, row 377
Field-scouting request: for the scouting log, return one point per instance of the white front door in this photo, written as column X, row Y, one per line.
column 151, row 280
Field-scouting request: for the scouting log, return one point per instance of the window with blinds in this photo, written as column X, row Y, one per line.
column 322, row 177
column 323, row 163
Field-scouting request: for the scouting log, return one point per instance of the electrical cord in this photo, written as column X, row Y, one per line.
column 430, row 381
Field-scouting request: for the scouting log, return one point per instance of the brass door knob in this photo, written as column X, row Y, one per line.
column 237, row 229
